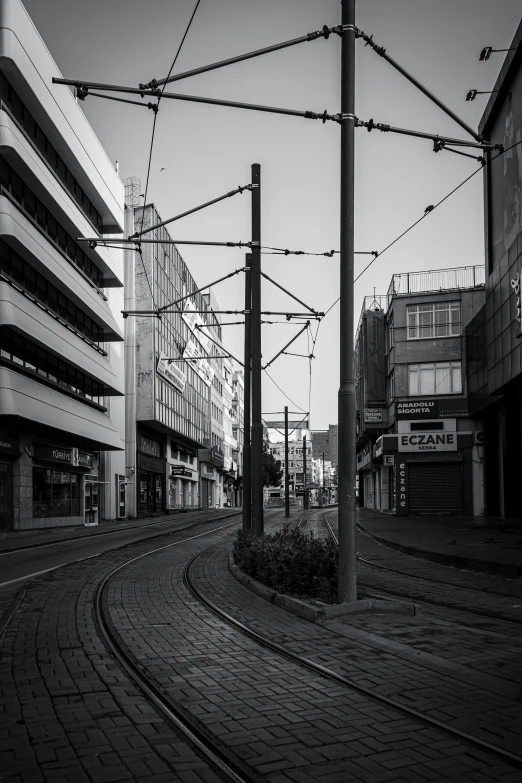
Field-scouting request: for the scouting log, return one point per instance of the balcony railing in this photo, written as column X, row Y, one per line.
column 438, row 280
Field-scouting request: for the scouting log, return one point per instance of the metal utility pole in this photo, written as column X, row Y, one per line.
column 287, row 476
column 305, row 494
column 347, row 582
column 247, row 454
column 257, row 425
column 323, row 487
column 129, row 303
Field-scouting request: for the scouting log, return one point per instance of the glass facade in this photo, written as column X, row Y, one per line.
column 24, row 196
column 24, row 354
column 186, row 413
column 23, row 116
column 19, row 271
column 56, row 493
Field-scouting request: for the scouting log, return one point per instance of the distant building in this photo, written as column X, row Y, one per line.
column 417, row 449
column 61, row 331
column 326, row 441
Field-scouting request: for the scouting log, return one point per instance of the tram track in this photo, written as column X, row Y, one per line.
column 478, row 743
column 221, row 759
column 399, row 592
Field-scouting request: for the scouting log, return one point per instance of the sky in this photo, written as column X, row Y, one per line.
column 206, row 151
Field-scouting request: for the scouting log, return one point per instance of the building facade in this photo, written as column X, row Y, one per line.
column 61, row 354
column 179, row 450
column 495, row 336
column 417, row 438
column 325, row 442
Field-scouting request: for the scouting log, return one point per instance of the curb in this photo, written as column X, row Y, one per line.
column 455, row 561
column 317, row 614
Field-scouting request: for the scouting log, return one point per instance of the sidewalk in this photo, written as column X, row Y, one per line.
column 25, row 539
column 454, row 541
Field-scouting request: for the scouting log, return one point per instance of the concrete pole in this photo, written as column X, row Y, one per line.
column 347, row 582
column 129, row 263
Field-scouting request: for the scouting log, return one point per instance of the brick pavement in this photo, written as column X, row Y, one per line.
column 287, row 723
column 71, row 713
column 480, row 543
column 68, row 713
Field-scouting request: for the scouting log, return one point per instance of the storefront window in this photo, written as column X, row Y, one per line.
column 56, row 493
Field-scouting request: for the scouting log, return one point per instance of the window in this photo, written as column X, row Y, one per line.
column 12, row 102
column 391, row 386
column 440, row 319
column 434, row 378
column 32, row 360
column 28, row 202
column 55, row 493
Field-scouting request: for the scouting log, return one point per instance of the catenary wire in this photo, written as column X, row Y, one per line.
column 283, row 393
column 152, row 144
column 488, row 163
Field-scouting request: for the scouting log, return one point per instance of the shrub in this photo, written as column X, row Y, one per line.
column 290, row 562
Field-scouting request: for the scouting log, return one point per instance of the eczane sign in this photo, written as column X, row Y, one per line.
column 428, row 441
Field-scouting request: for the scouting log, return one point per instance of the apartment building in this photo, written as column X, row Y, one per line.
column 417, row 441
column 61, row 357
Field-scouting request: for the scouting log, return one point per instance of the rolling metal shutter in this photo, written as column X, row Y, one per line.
column 435, row 487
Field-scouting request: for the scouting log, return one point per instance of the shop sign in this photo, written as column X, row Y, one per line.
column 388, row 459
column 372, row 415
column 53, row 454
column 199, row 363
column 431, row 409
column 208, row 476
column 9, row 444
column 84, row 459
column 179, row 470
column 171, row 372
column 375, row 377
column 402, row 488
column 428, row 441
column 151, row 464
column 216, row 456
column 515, row 285
column 193, row 319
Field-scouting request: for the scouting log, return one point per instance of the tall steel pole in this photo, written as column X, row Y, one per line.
column 305, row 493
column 129, row 327
column 247, row 453
column 287, row 476
column 257, row 424
column 347, row 582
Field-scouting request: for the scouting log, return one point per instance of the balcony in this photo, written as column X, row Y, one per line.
column 457, row 279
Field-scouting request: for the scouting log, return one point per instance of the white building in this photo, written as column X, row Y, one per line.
column 61, row 356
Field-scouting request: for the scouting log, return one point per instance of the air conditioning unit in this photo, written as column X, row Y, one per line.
column 478, row 437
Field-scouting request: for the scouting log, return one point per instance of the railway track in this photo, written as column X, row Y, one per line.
column 398, row 591
column 210, row 747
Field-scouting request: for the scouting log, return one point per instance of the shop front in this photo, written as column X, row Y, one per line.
column 433, row 471
column 183, row 488
column 211, row 465
column 61, row 496
column 9, row 452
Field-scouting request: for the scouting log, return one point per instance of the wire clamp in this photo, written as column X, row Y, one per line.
column 81, row 91
column 438, row 145
column 93, row 244
column 153, row 106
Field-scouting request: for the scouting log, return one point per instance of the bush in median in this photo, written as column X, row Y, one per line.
column 290, row 562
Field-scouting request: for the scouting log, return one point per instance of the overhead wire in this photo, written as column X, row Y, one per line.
column 428, row 212
column 152, row 146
